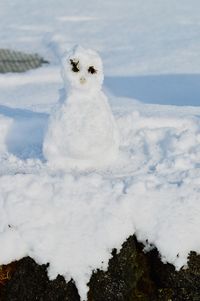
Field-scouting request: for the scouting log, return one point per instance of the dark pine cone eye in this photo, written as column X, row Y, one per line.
column 74, row 66
column 92, row 70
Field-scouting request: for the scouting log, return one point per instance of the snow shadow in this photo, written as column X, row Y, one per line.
column 171, row 89
column 25, row 138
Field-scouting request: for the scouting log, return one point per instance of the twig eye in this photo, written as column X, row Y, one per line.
column 92, row 70
column 74, row 66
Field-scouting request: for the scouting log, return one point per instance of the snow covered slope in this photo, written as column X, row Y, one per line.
column 149, row 48
column 152, row 191
column 150, row 51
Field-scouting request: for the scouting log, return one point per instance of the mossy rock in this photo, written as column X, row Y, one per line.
column 132, row 275
column 183, row 285
column 30, row 282
column 127, row 278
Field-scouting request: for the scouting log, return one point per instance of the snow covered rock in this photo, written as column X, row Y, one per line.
column 82, row 132
column 132, row 275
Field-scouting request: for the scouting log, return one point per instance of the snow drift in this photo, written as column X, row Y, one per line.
column 74, row 219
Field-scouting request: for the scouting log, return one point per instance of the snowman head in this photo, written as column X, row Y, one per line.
column 82, row 69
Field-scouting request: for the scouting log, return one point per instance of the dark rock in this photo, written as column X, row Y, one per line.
column 132, row 275
column 30, row 283
column 127, row 278
column 172, row 285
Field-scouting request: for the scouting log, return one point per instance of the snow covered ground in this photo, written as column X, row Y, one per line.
column 72, row 220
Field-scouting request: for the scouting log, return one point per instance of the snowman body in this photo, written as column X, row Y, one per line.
column 82, row 132
column 5, row 126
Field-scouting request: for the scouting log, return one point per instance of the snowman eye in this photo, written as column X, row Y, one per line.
column 92, row 70
column 74, row 66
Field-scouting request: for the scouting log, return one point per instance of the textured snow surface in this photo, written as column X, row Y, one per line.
column 73, row 220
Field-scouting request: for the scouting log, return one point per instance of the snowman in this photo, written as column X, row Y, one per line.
column 6, row 124
column 82, row 133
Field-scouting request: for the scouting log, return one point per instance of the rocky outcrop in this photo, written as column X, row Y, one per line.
column 172, row 285
column 127, row 278
column 131, row 276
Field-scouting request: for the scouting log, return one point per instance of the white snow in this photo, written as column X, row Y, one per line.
column 73, row 219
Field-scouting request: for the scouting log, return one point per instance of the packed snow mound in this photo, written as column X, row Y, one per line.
column 73, row 220
column 5, row 125
column 82, row 132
